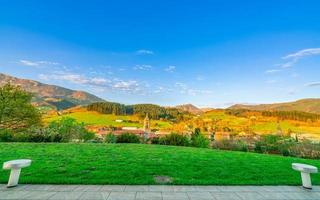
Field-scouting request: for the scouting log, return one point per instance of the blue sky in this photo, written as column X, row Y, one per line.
column 210, row 53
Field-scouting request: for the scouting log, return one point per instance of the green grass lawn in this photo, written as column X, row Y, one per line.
column 138, row 164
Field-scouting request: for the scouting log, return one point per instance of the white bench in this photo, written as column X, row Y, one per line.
column 15, row 167
column 305, row 170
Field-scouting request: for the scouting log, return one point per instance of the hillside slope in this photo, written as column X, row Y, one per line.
column 190, row 108
column 51, row 95
column 304, row 105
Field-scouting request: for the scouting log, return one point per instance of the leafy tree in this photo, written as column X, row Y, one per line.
column 199, row 140
column 71, row 130
column 110, row 138
column 16, row 111
column 174, row 139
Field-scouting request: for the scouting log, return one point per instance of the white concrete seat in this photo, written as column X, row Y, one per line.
column 305, row 170
column 15, row 167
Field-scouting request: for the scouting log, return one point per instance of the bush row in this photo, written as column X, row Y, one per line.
column 196, row 140
column 64, row 130
column 272, row 144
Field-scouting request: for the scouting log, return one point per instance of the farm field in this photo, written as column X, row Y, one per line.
column 139, row 164
column 263, row 125
column 95, row 118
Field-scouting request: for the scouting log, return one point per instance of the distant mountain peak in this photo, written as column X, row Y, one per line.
column 190, row 108
column 51, row 95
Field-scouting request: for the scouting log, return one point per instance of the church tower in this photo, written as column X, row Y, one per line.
column 146, row 125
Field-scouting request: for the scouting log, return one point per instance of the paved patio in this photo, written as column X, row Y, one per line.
column 120, row 192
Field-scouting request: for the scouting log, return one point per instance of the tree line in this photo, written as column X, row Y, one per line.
column 292, row 115
column 281, row 115
column 154, row 111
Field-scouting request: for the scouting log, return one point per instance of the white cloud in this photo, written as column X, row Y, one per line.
column 144, row 52
column 313, row 84
column 295, row 57
column 143, row 67
column 37, row 63
column 200, row 78
column 303, row 53
column 126, row 85
column 170, row 68
column 184, row 89
column 100, row 81
column 29, row 63
column 272, row 71
column 97, row 82
column 181, row 85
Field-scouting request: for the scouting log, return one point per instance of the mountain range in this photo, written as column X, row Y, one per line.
column 60, row 98
column 53, row 96
column 311, row 105
column 190, row 108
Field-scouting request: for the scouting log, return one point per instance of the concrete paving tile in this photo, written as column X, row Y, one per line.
column 241, row 188
column 39, row 195
column 94, row 196
column 39, row 187
column 63, row 188
column 3, row 187
column 149, row 196
column 9, row 195
column 88, row 188
column 273, row 195
column 225, row 196
column 200, row 196
column 316, row 188
column 303, row 195
column 283, row 188
column 174, row 196
column 186, row 188
column 138, row 188
column 66, row 195
column 250, row 195
column 112, row 188
column 122, row 196
column 161, row 188
column 18, row 188
column 208, row 188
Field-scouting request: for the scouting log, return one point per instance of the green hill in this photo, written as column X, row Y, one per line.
column 304, row 105
column 51, row 95
column 139, row 164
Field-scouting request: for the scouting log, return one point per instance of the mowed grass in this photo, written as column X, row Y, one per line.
column 138, row 164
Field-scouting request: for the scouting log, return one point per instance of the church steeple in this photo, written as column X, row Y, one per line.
column 146, row 125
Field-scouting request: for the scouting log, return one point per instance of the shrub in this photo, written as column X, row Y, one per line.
column 38, row 134
column 259, row 147
column 305, row 149
column 155, row 140
column 241, row 145
column 128, row 138
column 6, row 135
column 234, row 145
column 175, row 140
column 199, row 140
column 70, row 130
column 110, row 138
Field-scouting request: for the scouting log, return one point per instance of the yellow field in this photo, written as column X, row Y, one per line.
column 263, row 125
column 98, row 119
column 216, row 118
